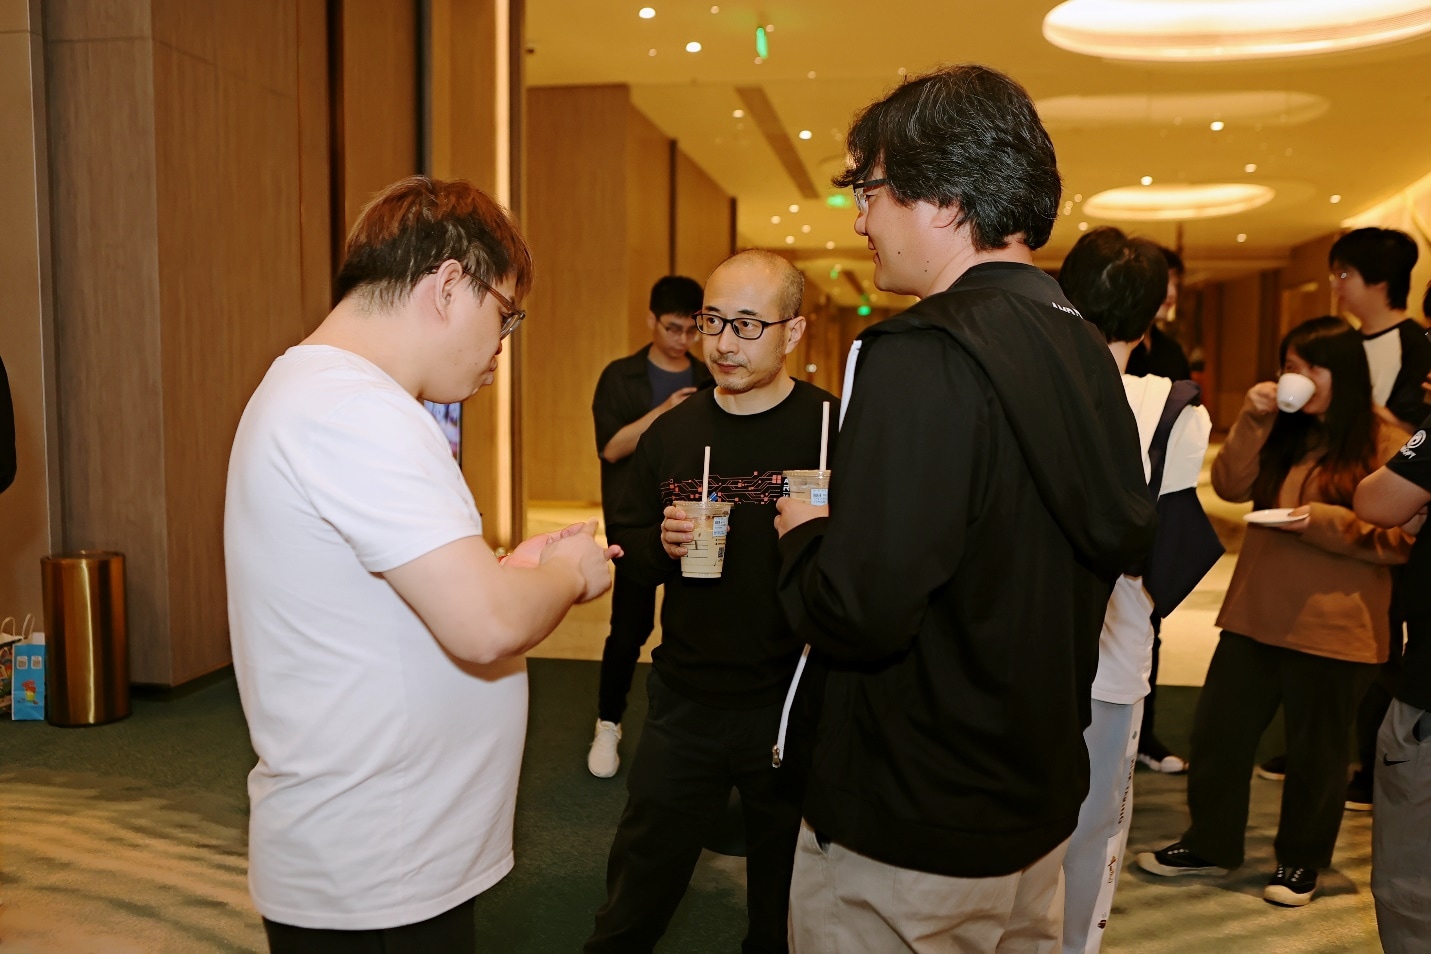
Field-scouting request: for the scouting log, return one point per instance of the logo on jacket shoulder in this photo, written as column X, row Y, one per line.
column 1409, row 448
column 1066, row 309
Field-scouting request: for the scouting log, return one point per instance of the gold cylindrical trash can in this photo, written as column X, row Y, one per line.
column 87, row 638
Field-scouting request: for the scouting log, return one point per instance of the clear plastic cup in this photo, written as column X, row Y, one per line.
column 811, row 486
column 705, row 555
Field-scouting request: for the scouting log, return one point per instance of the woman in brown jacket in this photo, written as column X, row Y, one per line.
column 1306, row 617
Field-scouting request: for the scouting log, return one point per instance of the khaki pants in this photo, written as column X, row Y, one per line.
column 842, row 902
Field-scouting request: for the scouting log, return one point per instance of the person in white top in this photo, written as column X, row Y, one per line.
column 1118, row 283
column 377, row 640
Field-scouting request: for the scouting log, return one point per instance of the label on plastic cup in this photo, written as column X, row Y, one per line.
column 705, row 555
column 811, row 486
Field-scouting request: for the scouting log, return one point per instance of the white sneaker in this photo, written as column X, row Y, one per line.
column 602, row 761
column 1168, row 765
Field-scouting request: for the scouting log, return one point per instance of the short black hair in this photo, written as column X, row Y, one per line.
column 1380, row 255
column 1117, row 282
column 965, row 135
column 1174, row 260
column 676, row 295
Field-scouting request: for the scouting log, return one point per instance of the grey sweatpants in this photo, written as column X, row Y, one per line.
column 1401, row 831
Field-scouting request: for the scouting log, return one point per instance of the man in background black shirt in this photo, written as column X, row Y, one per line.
column 631, row 393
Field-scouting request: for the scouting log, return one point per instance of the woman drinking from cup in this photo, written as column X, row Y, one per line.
column 1306, row 617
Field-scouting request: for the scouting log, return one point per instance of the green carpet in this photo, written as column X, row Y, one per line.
column 130, row 838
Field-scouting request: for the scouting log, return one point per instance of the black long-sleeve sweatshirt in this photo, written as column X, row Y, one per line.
column 987, row 491
column 724, row 642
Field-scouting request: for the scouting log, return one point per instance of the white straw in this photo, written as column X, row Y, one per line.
column 824, row 433
column 706, row 476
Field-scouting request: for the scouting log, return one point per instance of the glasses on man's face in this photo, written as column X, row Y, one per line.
column 862, row 190
column 511, row 315
column 678, row 331
column 746, row 328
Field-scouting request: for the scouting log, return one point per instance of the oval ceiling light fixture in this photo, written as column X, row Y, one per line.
column 1195, row 31
column 1176, row 202
column 1269, row 107
column 646, row 13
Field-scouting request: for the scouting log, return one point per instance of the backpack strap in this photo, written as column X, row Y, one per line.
column 1183, row 394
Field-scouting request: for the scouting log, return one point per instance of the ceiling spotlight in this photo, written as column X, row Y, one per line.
column 715, row 9
column 789, row 240
column 805, row 134
column 811, row 368
column 775, row 220
column 739, row 114
column 1083, row 226
column 1250, row 167
column 1336, row 199
column 805, row 229
column 1078, row 197
column 1215, row 125
column 759, row 60
column 646, row 13
column 794, row 208
column 902, row 71
column 693, row 47
column 769, row 28
column 829, row 245
column 1242, row 236
column 810, row 75
column 1068, row 208
column 1146, row 180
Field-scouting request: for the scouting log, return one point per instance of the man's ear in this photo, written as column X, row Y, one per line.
column 651, row 321
column 447, row 284
column 946, row 216
column 794, row 331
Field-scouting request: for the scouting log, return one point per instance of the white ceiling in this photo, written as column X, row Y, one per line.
column 1356, row 125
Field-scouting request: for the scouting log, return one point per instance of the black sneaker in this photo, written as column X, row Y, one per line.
column 1176, row 860
column 1291, row 887
column 1273, row 770
column 1359, row 792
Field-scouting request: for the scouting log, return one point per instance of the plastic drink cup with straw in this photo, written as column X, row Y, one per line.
column 813, row 486
column 705, row 554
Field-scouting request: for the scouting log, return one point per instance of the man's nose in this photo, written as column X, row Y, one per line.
column 728, row 341
column 860, row 223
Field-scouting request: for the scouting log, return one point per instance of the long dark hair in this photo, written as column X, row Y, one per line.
column 1347, row 430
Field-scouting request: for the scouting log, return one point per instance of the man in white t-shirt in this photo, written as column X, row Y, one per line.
column 1118, row 283
column 377, row 640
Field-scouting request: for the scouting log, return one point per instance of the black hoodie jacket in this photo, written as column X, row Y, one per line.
column 987, row 490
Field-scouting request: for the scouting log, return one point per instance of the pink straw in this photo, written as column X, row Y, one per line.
column 824, row 433
column 706, row 476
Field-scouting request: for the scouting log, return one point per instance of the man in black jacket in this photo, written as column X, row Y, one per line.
column 987, row 490
column 631, row 393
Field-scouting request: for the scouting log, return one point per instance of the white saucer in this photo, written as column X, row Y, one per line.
column 1280, row 517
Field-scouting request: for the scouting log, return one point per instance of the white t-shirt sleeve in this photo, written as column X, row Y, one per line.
column 1187, row 445
column 386, row 481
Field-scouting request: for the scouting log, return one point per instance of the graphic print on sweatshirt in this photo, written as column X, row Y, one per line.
column 764, row 488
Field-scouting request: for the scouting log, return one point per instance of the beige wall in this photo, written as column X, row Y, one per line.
column 704, row 221
column 29, row 510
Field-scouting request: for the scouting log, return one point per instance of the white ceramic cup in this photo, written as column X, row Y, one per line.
column 1294, row 390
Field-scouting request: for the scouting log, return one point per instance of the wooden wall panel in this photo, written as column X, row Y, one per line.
column 110, row 385
column 29, row 509
column 1240, row 307
column 314, row 190
column 648, row 219
column 379, row 98
column 703, row 221
column 576, row 221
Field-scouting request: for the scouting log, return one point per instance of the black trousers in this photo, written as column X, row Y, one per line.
column 1150, row 701
column 452, row 932
column 633, row 616
column 687, row 760
column 1246, row 681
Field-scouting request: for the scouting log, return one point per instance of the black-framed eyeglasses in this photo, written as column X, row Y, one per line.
column 862, row 190
column 511, row 315
column 746, row 328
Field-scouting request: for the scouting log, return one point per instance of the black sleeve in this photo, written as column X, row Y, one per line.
column 857, row 585
column 605, row 408
column 1413, row 461
column 636, row 521
column 1407, row 400
column 7, row 432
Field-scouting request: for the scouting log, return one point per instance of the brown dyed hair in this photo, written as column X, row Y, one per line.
column 416, row 224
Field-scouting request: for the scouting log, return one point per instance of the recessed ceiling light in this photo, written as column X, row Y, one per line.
column 1203, row 30
column 1146, row 180
column 829, row 245
column 1215, row 125
column 1250, row 167
column 810, row 75
column 646, row 13
column 1068, row 208
column 1242, row 236
column 811, row 368
column 1336, row 199
column 1078, row 197
column 805, row 229
column 739, row 114
column 693, row 47
column 715, row 9
column 759, row 60
column 789, row 240
column 1178, row 201
column 775, row 220
column 650, row 52
column 902, row 71
column 805, row 134
column 1083, row 226
column 794, row 208
column 769, row 28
